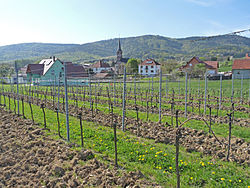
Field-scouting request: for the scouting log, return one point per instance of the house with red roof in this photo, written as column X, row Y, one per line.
column 100, row 66
column 51, row 71
column 241, row 68
column 211, row 66
column 149, row 67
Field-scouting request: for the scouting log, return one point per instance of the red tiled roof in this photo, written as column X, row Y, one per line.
column 150, row 62
column 212, row 64
column 102, row 75
column 74, row 70
column 35, row 69
column 208, row 64
column 241, row 64
column 100, row 64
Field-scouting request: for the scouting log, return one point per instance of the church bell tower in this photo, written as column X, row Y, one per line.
column 119, row 52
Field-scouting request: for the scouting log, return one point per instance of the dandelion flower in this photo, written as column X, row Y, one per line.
column 213, row 172
column 156, row 155
column 191, row 178
column 170, row 168
column 240, row 181
column 222, row 179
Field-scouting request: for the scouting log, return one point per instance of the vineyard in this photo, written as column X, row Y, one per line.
column 166, row 130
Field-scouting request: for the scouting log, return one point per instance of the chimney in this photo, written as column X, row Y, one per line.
column 247, row 57
column 54, row 58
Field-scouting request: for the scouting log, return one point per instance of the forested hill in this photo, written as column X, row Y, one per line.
column 152, row 46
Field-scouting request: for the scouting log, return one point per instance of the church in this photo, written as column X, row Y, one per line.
column 120, row 61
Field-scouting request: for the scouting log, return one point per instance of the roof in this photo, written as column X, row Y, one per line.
column 208, row 64
column 47, row 64
column 74, row 70
column 102, row 75
column 100, row 64
column 150, row 62
column 241, row 64
column 35, row 69
column 212, row 64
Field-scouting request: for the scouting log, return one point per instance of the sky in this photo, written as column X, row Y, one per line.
column 83, row 21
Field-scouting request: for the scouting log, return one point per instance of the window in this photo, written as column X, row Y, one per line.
column 146, row 67
column 152, row 71
column 146, row 71
column 141, row 67
column 141, row 71
column 152, row 66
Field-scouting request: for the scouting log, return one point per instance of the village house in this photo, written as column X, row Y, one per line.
column 50, row 71
column 100, row 66
column 241, row 68
column 211, row 66
column 149, row 67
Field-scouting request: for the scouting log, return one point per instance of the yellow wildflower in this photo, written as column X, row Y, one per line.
column 170, row 168
column 222, row 179
column 191, row 178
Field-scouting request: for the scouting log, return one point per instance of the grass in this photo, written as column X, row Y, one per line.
column 155, row 160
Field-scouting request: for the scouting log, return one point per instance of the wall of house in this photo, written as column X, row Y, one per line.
column 191, row 64
column 33, row 78
column 238, row 73
column 211, row 71
column 98, row 70
column 148, row 69
column 52, row 75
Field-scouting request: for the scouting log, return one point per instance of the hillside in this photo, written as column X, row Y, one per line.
column 153, row 46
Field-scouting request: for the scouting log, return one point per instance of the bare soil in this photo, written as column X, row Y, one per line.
column 30, row 158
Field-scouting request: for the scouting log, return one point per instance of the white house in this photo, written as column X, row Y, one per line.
column 100, row 66
column 149, row 67
column 241, row 68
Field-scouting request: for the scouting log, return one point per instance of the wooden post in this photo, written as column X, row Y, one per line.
column 44, row 117
column 229, row 135
column 80, row 119
column 177, row 137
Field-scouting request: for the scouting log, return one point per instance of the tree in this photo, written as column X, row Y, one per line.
column 132, row 65
column 198, row 70
column 169, row 65
column 6, row 70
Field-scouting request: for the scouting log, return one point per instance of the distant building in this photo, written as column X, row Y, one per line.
column 120, row 61
column 50, row 71
column 241, row 68
column 211, row 66
column 100, row 66
column 149, row 67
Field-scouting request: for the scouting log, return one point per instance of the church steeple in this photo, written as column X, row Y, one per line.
column 119, row 51
column 119, row 45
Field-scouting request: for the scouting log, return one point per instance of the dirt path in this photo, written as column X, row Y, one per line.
column 29, row 158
